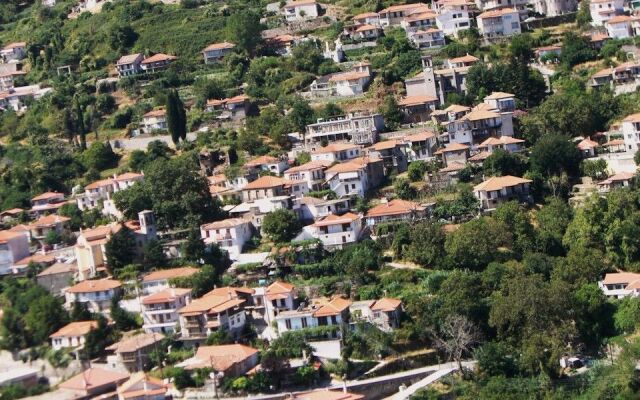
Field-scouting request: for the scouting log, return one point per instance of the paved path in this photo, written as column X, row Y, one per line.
column 411, row 390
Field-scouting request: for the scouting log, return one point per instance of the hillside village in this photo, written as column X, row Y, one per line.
column 319, row 200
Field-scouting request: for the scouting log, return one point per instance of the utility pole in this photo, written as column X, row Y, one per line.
column 213, row 375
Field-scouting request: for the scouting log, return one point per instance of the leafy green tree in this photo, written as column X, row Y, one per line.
column 120, row 250
column 391, row 112
column 583, row 18
column 281, row 225
column 594, row 315
column 511, row 214
column 79, row 124
column 627, row 316
column 71, row 210
column 475, row 244
column 99, row 156
column 403, row 189
column 204, row 281
column 80, row 312
column 554, row 155
column 176, row 117
column 357, row 261
column 121, row 37
column 97, row 340
column 193, row 249
column 502, row 163
column 416, row 171
column 576, row 49
column 496, row 359
column 534, row 316
column 243, row 27
column 552, row 222
column 123, row 320
column 595, row 169
column 153, row 255
column 221, row 336
column 176, row 192
column 427, row 244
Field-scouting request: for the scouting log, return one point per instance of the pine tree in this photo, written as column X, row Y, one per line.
column 176, row 117
column 80, row 127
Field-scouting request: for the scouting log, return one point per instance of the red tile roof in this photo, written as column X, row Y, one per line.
column 165, row 274
column 79, row 328
column 94, row 286
column 93, row 379
column 394, row 207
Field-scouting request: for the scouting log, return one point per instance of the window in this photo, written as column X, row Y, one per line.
column 287, row 323
column 304, row 322
column 514, row 25
column 334, row 320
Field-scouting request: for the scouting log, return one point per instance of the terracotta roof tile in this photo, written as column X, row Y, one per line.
column 89, row 286
column 93, row 379
column 79, row 328
column 164, row 274
column 500, row 182
column 394, row 207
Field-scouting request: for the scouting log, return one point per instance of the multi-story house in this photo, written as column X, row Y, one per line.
column 453, row 16
column 301, row 10
column 428, row 38
column 499, row 23
column 19, row 98
column 40, row 228
column 283, row 44
column 7, row 79
column 417, row 109
column 312, row 208
column 157, row 62
column 275, row 298
column 395, row 210
column 319, row 312
column 438, row 83
column 500, row 189
column 100, row 193
column 14, row 246
column 90, row 246
column 336, row 152
column 603, row 10
column 311, row 172
column 13, row 52
column 348, row 83
column 222, row 308
column 620, row 26
column 47, row 202
column 275, row 165
column 233, row 108
column 617, row 181
column 370, row 18
column 421, row 146
column 367, row 32
column 422, row 21
column 255, row 210
column 503, row 102
column 506, row 143
column 552, row 8
column 620, row 284
column 72, row 335
column 355, row 177
column 384, row 313
column 154, row 120
column 130, row 64
column 217, row 51
column 631, row 132
column 229, row 234
column 481, row 123
column 272, row 186
column 142, row 386
column 160, row 309
column 157, row 281
column 231, row 360
column 352, row 128
column 454, row 153
column 393, row 154
column 627, row 73
column 95, row 294
column 336, row 231
column 394, row 15
column 134, row 352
